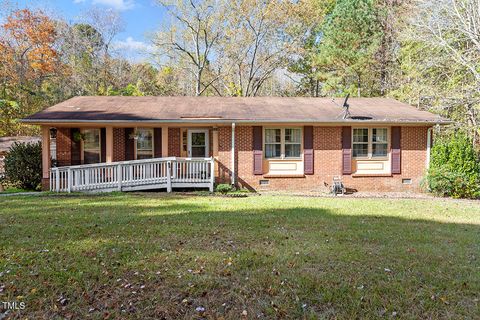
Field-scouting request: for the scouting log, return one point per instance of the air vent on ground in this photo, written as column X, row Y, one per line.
column 360, row 118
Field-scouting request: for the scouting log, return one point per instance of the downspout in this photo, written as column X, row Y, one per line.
column 233, row 154
column 429, row 146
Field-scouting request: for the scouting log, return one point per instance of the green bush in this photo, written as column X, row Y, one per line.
column 224, row 188
column 23, row 165
column 454, row 168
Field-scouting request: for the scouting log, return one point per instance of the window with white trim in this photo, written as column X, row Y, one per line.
column 283, row 143
column 91, row 146
column 379, row 142
column 370, row 142
column 144, row 143
column 360, row 142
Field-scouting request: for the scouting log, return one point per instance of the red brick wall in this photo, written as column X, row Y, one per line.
column 64, row 147
column 327, row 146
column 327, row 160
column 223, row 160
column 414, row 156
column 174, row 142
column 118, row 144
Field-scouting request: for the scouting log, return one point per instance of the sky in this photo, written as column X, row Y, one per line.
column 141, row 18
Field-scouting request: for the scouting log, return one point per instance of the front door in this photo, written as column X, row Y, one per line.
column 197, row 143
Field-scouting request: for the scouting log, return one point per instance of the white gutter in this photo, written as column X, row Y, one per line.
column 233, row 154
column 429, row 146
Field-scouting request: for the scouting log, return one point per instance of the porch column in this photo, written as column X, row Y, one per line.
column 215, row 142
column 45, row 157
column 109, row 144
column 164, row 141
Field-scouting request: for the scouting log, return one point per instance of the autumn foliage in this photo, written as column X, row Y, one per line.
column 27, row 48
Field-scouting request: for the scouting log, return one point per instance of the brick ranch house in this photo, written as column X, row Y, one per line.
column 262, row 143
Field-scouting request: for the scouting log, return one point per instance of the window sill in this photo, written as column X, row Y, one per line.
column 360, row 175
column 370, row 159
column 284, row 176
column 283, row 159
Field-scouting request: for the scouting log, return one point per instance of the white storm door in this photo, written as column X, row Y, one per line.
column 197, row 144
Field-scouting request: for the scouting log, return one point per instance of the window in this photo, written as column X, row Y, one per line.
column 292, row 143
column 370, row 143
column 379, row 142
column 144, row 143
column 198, row 147
column 91, row 146
column 184, row 141
column 53, row 144
column 360, row 142
column 283, row 143
column 273, row 143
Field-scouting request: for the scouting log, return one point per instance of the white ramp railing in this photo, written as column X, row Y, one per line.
column 145, row 174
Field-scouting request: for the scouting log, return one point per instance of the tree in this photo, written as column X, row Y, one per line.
column 253, row 46
column 193, row 36
column 29, row 60
column 27, row 53
column 260, row 38
column 306, row 63
column 446, row 35
column 350, row 38
column 108, row 23
column 81, row 50
column 391, row 19
column 168, row 81
column 10, row 111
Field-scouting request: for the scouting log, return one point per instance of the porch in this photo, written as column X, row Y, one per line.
column 124, row 158
column 147, row 174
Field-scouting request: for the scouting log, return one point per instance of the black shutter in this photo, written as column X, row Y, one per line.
column 347, row 150
column 75, row 149
column 103, row 145
column 396, row 150
column 157, row 141
column 129, row 144
column 308, row 149
column 257, row 150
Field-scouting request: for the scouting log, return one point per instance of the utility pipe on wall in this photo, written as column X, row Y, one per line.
column 233, row 154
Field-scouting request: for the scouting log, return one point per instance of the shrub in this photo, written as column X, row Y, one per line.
column 23, row 165
column 454, row 168
column 224, row 188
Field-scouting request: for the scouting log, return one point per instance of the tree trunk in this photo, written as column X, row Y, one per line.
column 198, row 84
column 359, row 90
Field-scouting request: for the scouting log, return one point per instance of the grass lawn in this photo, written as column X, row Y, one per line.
column 147, row 256
column 15, row 190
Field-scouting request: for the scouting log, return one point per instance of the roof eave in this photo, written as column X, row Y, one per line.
column 244, row 121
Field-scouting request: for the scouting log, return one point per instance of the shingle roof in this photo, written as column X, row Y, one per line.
column 228, row 109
